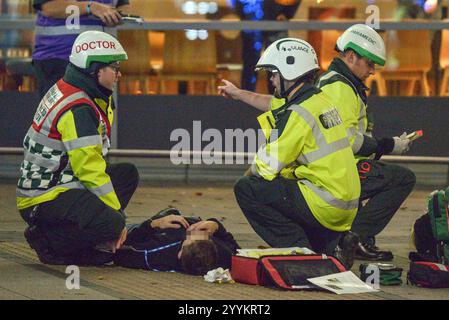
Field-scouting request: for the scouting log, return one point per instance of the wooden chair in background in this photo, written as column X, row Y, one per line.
column 137, row 71
column 408, row 58
column 327, row 51
column 189, row 60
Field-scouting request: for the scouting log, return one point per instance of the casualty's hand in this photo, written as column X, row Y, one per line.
column 114, row 245
column 170, row 222
column 209, row 226
column 228, row 90
column 108, row 15
column 401, row 144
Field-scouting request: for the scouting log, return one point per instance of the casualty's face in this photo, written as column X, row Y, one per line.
column 192, row 236
column 109, row 75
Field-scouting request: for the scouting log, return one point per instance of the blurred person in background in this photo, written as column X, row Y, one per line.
column 255, row 40
column 53, row 42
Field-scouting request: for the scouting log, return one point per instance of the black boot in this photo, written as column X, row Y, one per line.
column 37, row 241
column 369, row 251
column 346, row 248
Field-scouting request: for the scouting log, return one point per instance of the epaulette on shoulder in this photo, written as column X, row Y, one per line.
column 332, row 77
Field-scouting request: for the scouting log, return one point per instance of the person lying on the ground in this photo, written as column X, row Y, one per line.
column 171, row 242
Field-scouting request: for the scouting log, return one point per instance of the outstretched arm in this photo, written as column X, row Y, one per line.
column 256, row 100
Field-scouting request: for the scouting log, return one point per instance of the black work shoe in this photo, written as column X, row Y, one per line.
column 372, row 253
column 37, row 241
column 346, row 248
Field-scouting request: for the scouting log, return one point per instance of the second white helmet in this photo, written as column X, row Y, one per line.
column 292, row 57
column 365, row 41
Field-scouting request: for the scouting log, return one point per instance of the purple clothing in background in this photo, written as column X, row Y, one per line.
column 59, row 46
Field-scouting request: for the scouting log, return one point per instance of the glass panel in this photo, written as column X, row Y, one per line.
column 199, row 58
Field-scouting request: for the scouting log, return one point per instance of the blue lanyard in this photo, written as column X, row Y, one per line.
column 155, row 250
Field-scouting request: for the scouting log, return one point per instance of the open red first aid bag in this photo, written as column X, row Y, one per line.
column 279, row 269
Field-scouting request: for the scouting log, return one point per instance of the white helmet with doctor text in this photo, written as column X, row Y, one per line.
column 96, row 46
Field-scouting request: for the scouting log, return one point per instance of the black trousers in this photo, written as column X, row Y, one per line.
column 386, row 186
column 279, row 214
column 48, row 72
column 77, row 219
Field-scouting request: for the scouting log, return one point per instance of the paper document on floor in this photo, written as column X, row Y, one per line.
column 342, row 283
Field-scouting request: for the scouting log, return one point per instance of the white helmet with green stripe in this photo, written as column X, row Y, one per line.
column 96, row 46
column 365, row 41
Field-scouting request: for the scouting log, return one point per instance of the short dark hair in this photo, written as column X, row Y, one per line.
column 199, row 257
column 311, row 77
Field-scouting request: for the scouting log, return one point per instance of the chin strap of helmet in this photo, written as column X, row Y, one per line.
column 285, row 93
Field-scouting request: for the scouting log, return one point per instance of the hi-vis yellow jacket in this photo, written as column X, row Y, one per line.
column 348, row 94
column 307, row 141
column 64, row 148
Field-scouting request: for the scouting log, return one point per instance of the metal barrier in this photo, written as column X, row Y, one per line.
column 139, row 153
column 27, row 23
column 184, row 170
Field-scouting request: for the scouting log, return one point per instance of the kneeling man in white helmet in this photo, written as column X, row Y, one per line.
column 384, row 187
column 303, row 189
column 72, row 200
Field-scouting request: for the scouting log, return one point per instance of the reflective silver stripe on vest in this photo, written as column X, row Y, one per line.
column 442, row 267
column 351, row 132
column 83, row 142
column 49, row 120
column 35, row 193
column 272, row 162
column 63, row 30
column 103, row 190
column 362, row 116
column 330, row 199
column 44, row 140
column 324, row 148
column 358, row 142
column 326, row 76
column 41, row 161
column 254, row 169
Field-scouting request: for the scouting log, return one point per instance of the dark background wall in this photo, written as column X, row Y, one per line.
column 145, row 122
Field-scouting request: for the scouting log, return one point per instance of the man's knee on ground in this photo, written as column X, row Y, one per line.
column 131, row 172
column 109, row 224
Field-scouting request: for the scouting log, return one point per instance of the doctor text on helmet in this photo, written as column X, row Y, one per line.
column 92, row 45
